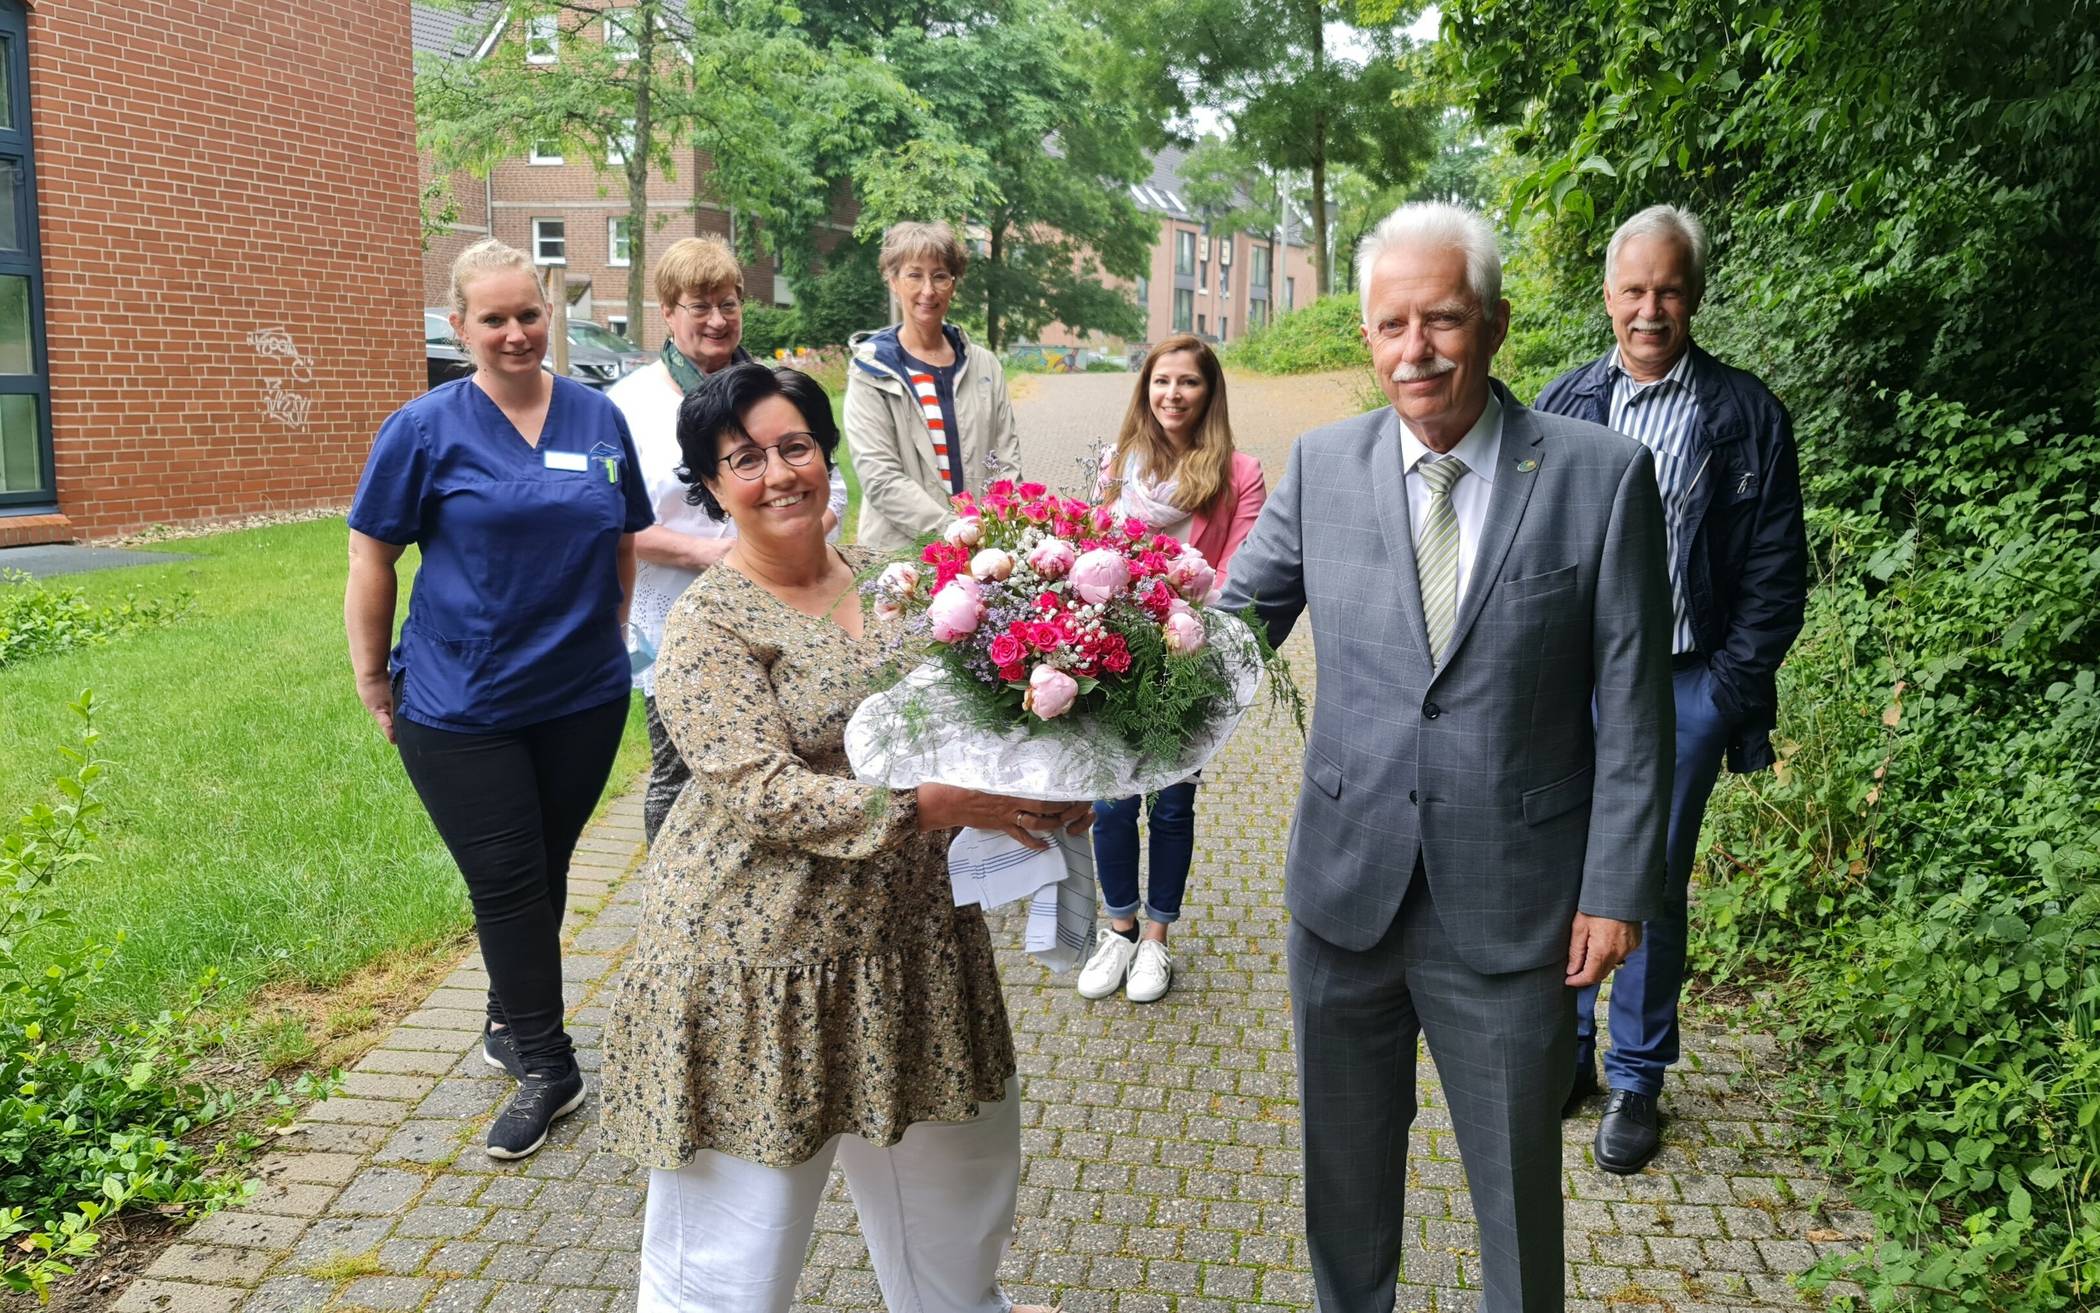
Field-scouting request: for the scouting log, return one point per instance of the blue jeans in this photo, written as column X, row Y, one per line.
column 1644, row 990
column 1173, row 829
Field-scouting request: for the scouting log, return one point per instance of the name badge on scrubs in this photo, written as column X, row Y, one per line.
column 573, row 461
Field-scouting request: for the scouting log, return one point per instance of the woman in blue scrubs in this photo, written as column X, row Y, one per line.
column 508, row 690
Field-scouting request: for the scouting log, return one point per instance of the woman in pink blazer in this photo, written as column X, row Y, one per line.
column 1173, row 467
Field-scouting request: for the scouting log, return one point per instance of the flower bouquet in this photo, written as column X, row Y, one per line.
column 1054, row 650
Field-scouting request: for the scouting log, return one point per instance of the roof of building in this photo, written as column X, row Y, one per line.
column 451, row 33
column 1165, row 192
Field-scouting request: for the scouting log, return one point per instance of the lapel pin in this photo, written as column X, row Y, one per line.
column 1526, row 466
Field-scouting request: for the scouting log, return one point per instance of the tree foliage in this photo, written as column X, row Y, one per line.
column 780, row 120
column 1017, row 85
column 1308, row 85
column 1903, row 194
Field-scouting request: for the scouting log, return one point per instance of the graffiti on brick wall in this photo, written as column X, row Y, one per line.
column 286, row 372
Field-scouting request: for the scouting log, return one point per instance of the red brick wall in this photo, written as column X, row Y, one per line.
column 208, row 171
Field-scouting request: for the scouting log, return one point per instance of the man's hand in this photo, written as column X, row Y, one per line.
column 1598, row 945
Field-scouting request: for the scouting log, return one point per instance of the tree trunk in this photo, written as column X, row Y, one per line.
column 995, row 248
column 1319, row 160
column 637, row 168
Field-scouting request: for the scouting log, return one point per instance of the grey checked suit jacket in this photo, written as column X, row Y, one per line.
column 1522, row 805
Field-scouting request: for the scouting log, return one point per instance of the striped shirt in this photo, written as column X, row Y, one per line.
column 934, row 386
column 1663, row 416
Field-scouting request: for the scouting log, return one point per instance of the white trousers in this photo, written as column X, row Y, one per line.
column 726, row 1235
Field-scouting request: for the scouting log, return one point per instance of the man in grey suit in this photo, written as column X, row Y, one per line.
column 1480, row 827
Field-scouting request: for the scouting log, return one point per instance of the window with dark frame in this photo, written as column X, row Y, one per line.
column 1184, row 309
column 25, row 394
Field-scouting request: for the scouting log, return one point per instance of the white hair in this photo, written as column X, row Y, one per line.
column 1671, row 221
column 1446, row 227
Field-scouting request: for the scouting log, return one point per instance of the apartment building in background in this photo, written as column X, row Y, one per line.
column 208, row 258
column 1216, row 285
column 566, row 202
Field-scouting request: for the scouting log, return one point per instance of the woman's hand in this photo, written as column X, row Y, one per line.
column 944, row 807
column 377, row 693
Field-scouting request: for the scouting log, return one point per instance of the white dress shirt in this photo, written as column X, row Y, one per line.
column 1480, row 449
column 650, row 398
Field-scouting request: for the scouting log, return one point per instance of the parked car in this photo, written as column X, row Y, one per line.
column 600, row 357
column 597, row 357
column 444, row 358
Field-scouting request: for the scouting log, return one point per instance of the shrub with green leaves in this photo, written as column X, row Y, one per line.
column 1919, row 872
column 94, row 1117
column 37, row 618
column 1319, row 337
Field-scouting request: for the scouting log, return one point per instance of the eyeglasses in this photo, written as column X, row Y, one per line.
column 729, row 306
column 750, row 462
column 941, row 279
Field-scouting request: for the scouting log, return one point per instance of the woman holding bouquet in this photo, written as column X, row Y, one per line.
column 1174, row 467
column 802, row 987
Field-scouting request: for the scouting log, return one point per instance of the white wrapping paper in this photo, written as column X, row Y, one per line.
column 917, row 733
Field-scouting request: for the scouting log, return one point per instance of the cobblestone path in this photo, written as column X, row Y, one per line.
column 1161, row 1141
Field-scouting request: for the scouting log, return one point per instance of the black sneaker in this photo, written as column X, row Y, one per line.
column 499, row 1052
column 521, row 1128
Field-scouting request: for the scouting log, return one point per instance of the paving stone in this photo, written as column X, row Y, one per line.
column 211, row 1264
column 419, row 1062
column 289, row 1294
column 314, row 1168
column 424, row 1142
column 332, row 1238
column 246, row 1230
column 386, row 1085
column 291, row 1199
column 338, row 1137
column 385, row 1294
column 379, row 1191
column 149, row 1296
column 464, row 1297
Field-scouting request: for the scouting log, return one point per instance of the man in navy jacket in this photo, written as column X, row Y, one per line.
column 1731, row 489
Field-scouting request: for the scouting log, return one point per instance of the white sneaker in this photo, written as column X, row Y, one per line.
column 1103, row 973
column 1151, row 972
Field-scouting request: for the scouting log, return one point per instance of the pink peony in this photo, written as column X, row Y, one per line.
column 955, row 611
column 1184, row 632
column 897, row 579
column 965, row 532
column 1192, row 576
column 991, row 565
column 1100, row 575
column 1051, row 558
column 1050, row 692
column 888, row 608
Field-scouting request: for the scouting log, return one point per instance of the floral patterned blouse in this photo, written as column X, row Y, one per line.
column 801, row 969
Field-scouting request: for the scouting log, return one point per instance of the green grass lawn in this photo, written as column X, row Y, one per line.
column 256, row 819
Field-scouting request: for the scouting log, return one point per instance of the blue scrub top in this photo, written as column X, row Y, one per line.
column 515, row 614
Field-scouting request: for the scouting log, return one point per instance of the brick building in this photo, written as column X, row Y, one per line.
column 208, row 257
column 562, row 201
column 1218, row 286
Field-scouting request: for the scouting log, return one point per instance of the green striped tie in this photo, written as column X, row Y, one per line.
column 1436, row 553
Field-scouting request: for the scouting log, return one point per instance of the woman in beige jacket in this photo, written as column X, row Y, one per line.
column 927, row 415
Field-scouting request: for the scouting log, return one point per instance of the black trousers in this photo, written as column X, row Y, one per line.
column 510, row 806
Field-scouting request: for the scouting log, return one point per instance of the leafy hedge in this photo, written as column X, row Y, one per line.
column 1919, row 870
column 1319, row 337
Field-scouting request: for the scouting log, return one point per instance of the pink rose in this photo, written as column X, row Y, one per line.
column 1044, row 636
column 897, row 579
column 965, row 532
column 1006, row 650
column 1050, row 692
column 991, row 565
column 954, row 612
column 1184, row 632
column 1051, row 558
column 1100, row 575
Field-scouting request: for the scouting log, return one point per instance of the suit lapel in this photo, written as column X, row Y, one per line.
column 1389, row 488
column 1522, row 440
